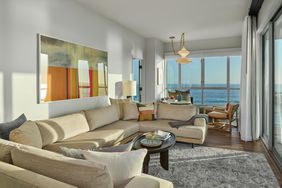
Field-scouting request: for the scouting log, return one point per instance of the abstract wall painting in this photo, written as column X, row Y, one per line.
column 70, row 71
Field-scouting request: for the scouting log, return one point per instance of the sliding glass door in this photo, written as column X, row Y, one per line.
column 265, row 88
column 277, row 95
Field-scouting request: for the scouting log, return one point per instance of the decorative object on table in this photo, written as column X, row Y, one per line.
column 214, row 167
column 163, row 150
column 183, row 53
column 229, row 113
column 6, row 128
column 146, row 112
column 68, row 70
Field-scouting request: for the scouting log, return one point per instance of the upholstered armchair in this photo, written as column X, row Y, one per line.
column 229, row 114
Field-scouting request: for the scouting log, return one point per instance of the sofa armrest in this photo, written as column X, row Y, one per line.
column 12, row 176
column 200, row 122
column 149, row 182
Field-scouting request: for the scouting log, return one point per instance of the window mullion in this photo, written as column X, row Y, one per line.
column 228, row 79
column 202, row 78
column 179, row 77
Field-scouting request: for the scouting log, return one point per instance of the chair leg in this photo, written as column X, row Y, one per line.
column 192, row 145
column 230, row 125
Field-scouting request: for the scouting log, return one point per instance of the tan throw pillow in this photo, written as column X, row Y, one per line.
column 176, row 112
column 130, row 111
column 101, row 116
column 80, row 173
column 60, row 128
column 122, row 165
column 119, row 105
column 27, row 134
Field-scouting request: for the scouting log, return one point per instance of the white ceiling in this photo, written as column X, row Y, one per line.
column 199, row 19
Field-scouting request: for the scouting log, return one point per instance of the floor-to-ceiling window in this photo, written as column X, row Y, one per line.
column 136, row 70
column 277, row 94
column 265, row 87
column 212, row 80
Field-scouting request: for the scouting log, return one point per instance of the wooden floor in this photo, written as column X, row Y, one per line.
column 222, row 139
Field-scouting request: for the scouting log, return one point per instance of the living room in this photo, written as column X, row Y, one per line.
column 140, row 93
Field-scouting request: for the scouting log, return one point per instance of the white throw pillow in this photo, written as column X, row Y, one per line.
column 130, row 111
column 122, row 166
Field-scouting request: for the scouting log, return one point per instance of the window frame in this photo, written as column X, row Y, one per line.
column 202, row 55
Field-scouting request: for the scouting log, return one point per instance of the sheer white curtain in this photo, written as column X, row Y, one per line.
column 249, row 108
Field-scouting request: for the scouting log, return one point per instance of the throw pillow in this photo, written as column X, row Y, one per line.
column 101, row 116
column 119, row 148
column 130, row 111
column 80, row 173
column 77, row 153
column 146, row 112
column 122, row 166
column 27, row 134
column 119, row 105
column 6, row 128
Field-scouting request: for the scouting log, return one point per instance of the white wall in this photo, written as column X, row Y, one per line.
column 208, row 44
column 154, row 58
column 20, row 21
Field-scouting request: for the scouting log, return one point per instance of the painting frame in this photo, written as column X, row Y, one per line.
column 79, row 87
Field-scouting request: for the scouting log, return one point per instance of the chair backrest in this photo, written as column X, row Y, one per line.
column 232, row 109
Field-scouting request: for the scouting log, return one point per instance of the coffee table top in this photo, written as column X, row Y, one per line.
column 165, row 145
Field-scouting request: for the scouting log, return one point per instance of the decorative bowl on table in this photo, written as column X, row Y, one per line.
column 151, row 142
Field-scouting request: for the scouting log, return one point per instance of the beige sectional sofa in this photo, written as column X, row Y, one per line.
column 85, row 130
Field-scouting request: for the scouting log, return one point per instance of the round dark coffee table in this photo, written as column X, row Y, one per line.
column 163, row 150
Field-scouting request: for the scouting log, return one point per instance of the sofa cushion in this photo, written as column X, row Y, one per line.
column 101, row 116
column 149, row 182
column 130, row 111
column 60, row 128
column 80, row 173
column 122, row 165
column 187, row 131
column 5, row 150
column 119, row 105
column 128, row 128
column 6, row 128
column 176, row 112
column 28, row 134
column 12, row 176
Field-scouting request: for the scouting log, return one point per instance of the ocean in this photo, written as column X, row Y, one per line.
column 211, row 96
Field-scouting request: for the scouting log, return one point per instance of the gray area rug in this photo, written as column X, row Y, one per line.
column 214, row 167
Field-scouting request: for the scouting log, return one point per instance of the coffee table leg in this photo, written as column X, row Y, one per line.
column 164, row 159
column 146, row 164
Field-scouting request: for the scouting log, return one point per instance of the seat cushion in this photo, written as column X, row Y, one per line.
column 127, row 127
column 187, row 131
column 107, row 135
column 149, row 182
column 176, row 112
column 28, row 134
column 80, row 173
column 219, row 115
column 60, row 128
column 102, row 116
column 12, row 176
